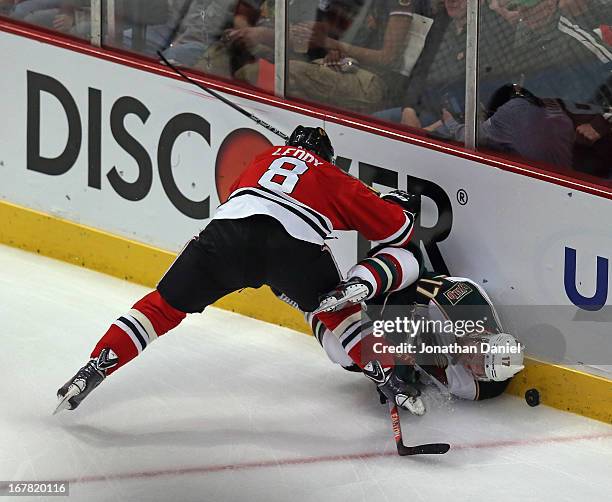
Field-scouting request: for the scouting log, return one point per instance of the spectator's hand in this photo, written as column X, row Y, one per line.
column 248, row 37
column 573, row 7
column 233, row 36
column 587, row 133
column 63, row 22
column 332, row 59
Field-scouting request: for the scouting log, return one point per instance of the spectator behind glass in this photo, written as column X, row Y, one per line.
column 553, row 131
column 361, row 44
column 576, row 9
column 246, row 39
column 323, row 65
column 257, row 40
column 559, row 56
column 563, row 50
column 23, row 8
column 232, row 40
column 592, row 14
column 190, row 27
column 66, row 16
column 438, row 79
column 519, row 123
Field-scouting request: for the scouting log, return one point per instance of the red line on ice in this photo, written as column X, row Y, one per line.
column 206, row 469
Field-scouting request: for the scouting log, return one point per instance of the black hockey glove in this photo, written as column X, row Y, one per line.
column 395, row 389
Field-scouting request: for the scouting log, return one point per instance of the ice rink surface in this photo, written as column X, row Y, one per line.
column 226, row 408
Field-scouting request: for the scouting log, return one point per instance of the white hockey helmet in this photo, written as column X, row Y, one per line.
column 504, row 359
column 496, row 357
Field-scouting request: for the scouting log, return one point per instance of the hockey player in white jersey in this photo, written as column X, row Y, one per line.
column 487, row 357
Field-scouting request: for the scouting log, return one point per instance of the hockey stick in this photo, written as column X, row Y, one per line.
column 421, row 449
column 254, row 118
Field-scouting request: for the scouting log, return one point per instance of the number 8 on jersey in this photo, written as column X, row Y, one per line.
column 278, row 177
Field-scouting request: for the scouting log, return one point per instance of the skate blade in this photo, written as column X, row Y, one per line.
column 64, row 404
column 352, row 299
column 320, row 310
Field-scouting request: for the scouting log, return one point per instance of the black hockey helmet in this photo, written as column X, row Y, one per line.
column 314, row 139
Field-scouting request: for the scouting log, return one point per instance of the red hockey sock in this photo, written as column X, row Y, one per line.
column 129, row 335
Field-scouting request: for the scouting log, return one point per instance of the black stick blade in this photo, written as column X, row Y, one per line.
column 423, row 449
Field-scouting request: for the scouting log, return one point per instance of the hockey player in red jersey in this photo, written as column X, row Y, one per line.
column 272, row 231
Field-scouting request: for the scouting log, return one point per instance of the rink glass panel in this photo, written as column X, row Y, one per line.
column 545, row 85
column 72, row 18
column 228, row 39
column 401, row 63
column 397, row 61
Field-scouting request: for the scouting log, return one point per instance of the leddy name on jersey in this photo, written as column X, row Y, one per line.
column 290, row 151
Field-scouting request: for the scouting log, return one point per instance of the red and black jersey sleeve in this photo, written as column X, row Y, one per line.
column 377, row 220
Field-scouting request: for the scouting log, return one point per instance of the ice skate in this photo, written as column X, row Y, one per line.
column 354, row 290
column 87, row 379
